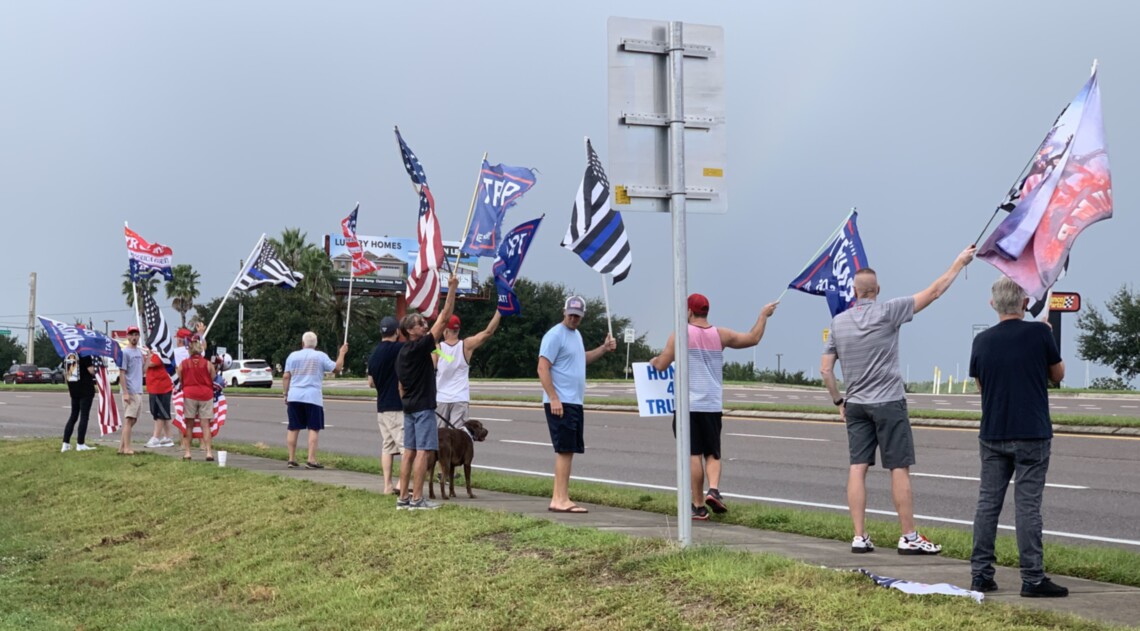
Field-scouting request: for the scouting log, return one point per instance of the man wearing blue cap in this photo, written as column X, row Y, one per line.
column 389, row 410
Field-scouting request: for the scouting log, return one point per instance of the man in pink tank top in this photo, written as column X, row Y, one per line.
column 706, row 394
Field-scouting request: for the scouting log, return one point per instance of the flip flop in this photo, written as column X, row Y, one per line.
column 209, row 458
column 577, row 510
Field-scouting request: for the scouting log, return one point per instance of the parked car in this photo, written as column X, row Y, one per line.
column 52, row 375
column 248, row 372
column 25, row 373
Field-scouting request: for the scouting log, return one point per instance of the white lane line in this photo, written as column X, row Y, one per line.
column 837, row 507
column 525, row 442
column 1130, row 407
column 970, row 479
column 496, row 420
column 814, row 440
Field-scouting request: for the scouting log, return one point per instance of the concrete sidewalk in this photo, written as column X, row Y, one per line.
column 1115, row 604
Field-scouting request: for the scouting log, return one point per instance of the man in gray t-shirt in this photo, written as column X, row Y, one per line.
column 131, row 386
column 865, row 340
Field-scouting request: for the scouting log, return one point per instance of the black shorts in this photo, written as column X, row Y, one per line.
column 704, row 433
column 306, row 416
column 160, row 407
column 882, row 425
column 566, row 431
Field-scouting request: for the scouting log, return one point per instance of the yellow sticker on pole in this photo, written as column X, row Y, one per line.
column 621, row 196
column 710, row 172
column 826, row 333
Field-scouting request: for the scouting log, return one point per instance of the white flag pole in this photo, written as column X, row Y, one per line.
column 826, row 242
column 248, row 262
column 351, row 277
column 606, row 295
column 135, row 292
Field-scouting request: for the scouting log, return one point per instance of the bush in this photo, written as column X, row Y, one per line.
column 1110, row 383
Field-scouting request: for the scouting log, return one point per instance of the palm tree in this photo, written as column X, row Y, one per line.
column 183, row 289
column 146, row 284
column 291, row 246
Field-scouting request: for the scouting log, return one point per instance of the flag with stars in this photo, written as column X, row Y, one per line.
column 267, row 269
column 596, row 232
column 423, row 282
column 360, row 265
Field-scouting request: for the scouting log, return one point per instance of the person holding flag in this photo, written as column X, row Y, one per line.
column 196, row 375
column 453, row 371
column 81, row 389
column 134, row 359
column 865, row 339
column 706, row 394
column 160, row 389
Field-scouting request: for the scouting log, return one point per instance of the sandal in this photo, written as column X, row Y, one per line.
column 186, row 458
column 209, row 458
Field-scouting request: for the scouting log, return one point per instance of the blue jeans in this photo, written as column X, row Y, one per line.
column 1001, row 459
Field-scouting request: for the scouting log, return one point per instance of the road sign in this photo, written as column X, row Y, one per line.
column 5, row 331
column 1065, row 302
column 630, row 335
column 639, row 147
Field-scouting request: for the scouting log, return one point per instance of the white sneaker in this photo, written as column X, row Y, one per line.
column 860, row 545
column 166, row 442
column 920, row 545
column 84, row 448
column 66, row 447
column 153, row 443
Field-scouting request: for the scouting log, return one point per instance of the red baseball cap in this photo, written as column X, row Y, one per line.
column 183, row 332
column 453, row 323
column 132, row 329
column 698, row 304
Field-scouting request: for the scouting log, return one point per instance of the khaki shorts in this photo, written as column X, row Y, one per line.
column 132, row 409
column 201, row 410
column 456, row 413
column 391, row 432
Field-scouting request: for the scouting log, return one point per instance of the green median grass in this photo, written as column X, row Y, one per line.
column 1098, row 563
column 93, row 541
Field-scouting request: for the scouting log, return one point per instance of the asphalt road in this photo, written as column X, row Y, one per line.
column 1093, row 494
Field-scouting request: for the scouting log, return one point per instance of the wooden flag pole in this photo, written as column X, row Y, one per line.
column 826, row 242
column 606, row 296
column 248, row 262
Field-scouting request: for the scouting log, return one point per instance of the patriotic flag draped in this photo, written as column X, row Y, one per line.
column 596, row 231
column 179, row 420
column 832, row 272
column 506, row 267
column 1064, row 189
column 267, row 269
column 158, row 333
column 148, row 259
column 108, row 410
column 423, row 282
column 71, row 338
column 500, row 187
column 360, row 265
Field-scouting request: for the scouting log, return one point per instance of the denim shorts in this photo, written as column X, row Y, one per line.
column 421, row 431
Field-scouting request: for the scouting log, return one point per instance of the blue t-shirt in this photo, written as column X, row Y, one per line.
column 382, row 369
column 307, row 368
column 567, row 355
column 133, row 369
column 1011, row 362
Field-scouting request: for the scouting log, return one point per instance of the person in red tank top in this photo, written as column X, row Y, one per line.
column 197, row 376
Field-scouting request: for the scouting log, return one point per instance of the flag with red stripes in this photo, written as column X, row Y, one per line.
column 216, row 423
column 109, row 420
column 423, row 282
column 360, row 265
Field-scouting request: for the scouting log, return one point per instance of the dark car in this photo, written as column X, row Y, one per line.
column 52, row 375
column 25, row 373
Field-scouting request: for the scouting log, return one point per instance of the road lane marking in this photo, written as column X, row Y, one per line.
column 525, row 442
column 814, row 440
column 496, row 420
column 970, row 479
column 1131, row 407
column 837, row 507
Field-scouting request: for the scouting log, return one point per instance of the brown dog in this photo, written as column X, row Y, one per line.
column 456, row 447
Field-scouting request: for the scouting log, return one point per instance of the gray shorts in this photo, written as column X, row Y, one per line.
column 882, row 425
column 456, row 413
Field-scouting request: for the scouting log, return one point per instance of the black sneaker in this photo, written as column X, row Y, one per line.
column 292, row 464
column 982, row 584
column 314, row 465
column 700, row 513
column 1045, row 589
column 714, row 501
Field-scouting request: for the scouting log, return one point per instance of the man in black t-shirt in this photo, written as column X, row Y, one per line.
column 389, row 409
column 1011, row 364
column 416, row 373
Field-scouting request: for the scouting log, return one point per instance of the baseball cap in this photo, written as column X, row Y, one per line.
column 575, row 305
column 453, row 323
column 698, row 304
column 183, row 332
column 388, row 326
column 132, row 329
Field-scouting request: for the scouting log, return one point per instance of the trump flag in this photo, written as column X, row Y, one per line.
column 500, row 187
column 832, row 272
column 508, row 262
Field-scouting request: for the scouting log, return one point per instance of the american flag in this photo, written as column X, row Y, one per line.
column 267, row 269
column 179, row 421
column 158, row 334
column 109, row 420
column 596, row 231
column 423, row 282
column 360, row 265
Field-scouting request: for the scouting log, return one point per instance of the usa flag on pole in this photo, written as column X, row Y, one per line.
column 596, row 232
column 178, row 402
column 423, row 283
column 109, row 420
column 360, row 265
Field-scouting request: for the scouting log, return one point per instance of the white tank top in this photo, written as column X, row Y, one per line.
column 452, row 384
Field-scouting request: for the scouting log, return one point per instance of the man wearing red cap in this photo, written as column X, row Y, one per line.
column 131, row 386
column 452, row 371
column 706, row 394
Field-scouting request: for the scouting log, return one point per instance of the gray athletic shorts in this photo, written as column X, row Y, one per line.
column 456, row 413
column 882, row 425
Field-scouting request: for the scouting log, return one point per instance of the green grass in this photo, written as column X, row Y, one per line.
column 92, row 541
column 1110, row 565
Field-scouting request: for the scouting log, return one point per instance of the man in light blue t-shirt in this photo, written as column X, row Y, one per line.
column 562, row 360
column 302, row 382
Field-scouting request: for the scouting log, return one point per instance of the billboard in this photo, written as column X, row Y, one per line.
column 393, row 258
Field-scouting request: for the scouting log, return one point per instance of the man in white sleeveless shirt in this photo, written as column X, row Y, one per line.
column 706, row 394
column 452, row 371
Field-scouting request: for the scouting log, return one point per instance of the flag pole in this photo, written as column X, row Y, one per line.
column 135, row 292
column 826, row 242
column 470, row 209
column 248, row 263
column 606, row 296
column 351, row 277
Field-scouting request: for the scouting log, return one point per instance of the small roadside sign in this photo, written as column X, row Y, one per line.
column 630, row 335
column 6, row 332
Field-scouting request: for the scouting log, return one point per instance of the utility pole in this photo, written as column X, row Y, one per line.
column 32, row 319
column 241, row 340
column 778, row 356
column 107, row 327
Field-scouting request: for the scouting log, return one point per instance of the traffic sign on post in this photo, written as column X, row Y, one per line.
column 5, row 331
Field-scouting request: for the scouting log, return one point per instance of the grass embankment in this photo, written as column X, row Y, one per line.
column 1111, row 565
column 94, row 541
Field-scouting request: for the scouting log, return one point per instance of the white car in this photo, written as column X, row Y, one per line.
column 248, row 372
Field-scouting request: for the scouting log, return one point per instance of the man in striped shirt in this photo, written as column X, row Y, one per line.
column 706, row 394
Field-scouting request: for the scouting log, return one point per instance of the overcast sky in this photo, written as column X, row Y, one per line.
column 205, row 124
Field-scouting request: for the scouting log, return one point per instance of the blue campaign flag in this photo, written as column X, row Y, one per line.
column 832, row 273
column 500, row 187
column 508, row 262
column 70, row 338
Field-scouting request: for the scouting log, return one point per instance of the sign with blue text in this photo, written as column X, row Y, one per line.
column 654, row 389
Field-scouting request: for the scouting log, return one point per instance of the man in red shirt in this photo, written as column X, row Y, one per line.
column 159, row 386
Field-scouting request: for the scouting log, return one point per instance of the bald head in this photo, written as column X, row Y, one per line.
column 866, row 283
